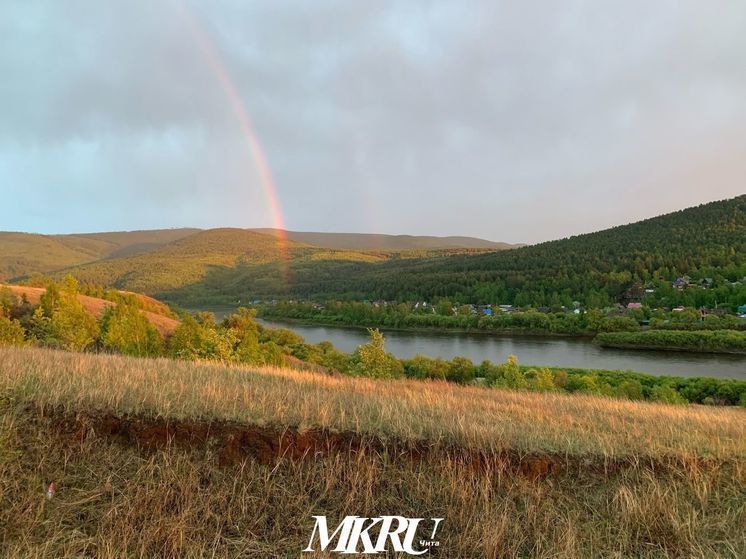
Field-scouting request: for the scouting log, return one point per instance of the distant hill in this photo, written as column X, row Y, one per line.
column 188, row 260
column 366, row 241
column 22, row 254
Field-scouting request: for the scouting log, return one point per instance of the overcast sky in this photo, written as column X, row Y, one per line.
column 514, row 121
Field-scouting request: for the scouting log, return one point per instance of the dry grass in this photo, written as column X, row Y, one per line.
column 116, row 499
column 472, row 417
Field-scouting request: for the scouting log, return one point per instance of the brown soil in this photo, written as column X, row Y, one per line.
column 233, row 443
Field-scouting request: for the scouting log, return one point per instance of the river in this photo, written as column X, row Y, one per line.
column 530, row 350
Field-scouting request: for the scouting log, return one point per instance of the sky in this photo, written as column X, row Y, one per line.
column 513, row 121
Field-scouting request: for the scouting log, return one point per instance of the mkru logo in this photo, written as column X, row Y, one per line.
column 370, row 536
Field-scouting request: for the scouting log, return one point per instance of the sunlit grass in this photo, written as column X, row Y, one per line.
column 436, row 412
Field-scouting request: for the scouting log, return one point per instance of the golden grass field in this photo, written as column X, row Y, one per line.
column 138, row 450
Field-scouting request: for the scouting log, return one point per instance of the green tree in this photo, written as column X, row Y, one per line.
column 510, row 375
column 11, row 331
column 541, row 380
column 126, row 330
column 371, row 359
column 192, row 340
column 68, row 324
column 461, row 370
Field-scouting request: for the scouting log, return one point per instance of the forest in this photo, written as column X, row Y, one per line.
column 704, row 247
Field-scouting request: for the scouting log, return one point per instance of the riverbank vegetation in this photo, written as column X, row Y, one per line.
column 61, row 321
column 717, row 341
column 446, row 315
column 172, row 458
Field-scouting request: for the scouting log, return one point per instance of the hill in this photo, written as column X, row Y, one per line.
column 188, row 261
column 177, row 459
column 22, row 254
column 378, row 242
column 594, row 269
column 224, row 266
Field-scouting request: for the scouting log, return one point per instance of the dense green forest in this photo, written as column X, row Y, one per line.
column 595, row 269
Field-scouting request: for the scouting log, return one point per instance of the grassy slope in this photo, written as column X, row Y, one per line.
column 376, row 242
column 632, row 479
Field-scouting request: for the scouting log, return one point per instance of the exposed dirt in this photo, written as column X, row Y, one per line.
column 232, row 443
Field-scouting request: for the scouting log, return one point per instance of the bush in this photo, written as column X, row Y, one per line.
column 666, row 394
column 460, row 370
column 62, row 321
column 192, row 340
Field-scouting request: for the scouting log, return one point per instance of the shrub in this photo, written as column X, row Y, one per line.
column 461, row 370
column 667, row 394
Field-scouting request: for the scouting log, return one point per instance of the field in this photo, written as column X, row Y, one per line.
column 178, row 459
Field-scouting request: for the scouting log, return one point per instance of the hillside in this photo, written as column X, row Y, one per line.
column 225, row 266
column 595, row 269
column 190, row 260
column 176, row 459
column 22, row 254
column 376, row 242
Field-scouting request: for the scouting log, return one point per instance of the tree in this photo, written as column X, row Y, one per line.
column 371, row 359
column 11, row 331
column 541, row 380
column 126, row 330
column 63, row 321
column 461, row 370
column 510, row 375
column 192, row 340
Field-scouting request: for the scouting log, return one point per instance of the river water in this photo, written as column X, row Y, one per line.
column 530, row 350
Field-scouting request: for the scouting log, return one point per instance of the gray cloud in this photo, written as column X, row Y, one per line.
column 517, row 121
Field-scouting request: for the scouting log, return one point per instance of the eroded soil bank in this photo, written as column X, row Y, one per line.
column 232, row 443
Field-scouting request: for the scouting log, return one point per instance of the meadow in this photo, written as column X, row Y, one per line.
column 167, row 458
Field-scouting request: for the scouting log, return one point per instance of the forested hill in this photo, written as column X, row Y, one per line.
column 704, row 241
column 707, row 241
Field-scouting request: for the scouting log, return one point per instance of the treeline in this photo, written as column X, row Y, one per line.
column 61, row 321
column 445, row 315
column 723, row 341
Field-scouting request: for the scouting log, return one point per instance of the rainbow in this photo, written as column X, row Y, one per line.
column 218, row 68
